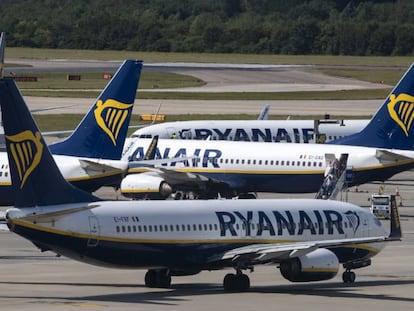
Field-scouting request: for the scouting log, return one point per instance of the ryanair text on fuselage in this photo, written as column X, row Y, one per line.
column 273, row 224
column 254, row 134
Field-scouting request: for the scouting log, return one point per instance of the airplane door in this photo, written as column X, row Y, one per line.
column 94, row 231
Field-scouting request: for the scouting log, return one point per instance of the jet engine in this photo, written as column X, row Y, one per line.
column 319, row 265
column 145, row 186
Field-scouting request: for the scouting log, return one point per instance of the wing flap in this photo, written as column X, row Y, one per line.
column 91, row 166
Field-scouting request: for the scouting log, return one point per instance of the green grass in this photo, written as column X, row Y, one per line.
column 95, row 81
column 382, row 61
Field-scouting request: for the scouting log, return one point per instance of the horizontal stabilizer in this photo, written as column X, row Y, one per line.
column 388, row 156
column 54, row 215
column 91, row 166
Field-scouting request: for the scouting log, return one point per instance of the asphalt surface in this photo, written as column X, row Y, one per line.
column 31, row 280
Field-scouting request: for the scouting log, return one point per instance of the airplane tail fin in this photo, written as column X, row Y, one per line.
column 392, row 125
column 36, row 179
column 102, row 132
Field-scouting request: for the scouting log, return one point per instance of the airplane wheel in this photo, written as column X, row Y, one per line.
column 348, row 277
column 150, row 278
column 239, row 282
column 243, row 282
column 229, row 282
column 158, row 278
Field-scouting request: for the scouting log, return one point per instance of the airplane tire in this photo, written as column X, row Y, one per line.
column 348, row 277
column 229, row 282
column 243, row 282
column 239, row 282
column 157, row 278
column 150, row 278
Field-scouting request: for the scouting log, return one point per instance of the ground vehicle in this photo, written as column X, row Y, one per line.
column 381, row 205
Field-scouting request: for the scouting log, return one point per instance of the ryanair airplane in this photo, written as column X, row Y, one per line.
column 230, row 168
column 278, row 131
column 90, row 157
column 307, row 239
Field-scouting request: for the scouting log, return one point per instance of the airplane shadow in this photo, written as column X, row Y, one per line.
column 181, row 292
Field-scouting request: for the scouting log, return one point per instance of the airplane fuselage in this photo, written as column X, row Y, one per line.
column 190, row 235
column 288, row 131
column 262, row 167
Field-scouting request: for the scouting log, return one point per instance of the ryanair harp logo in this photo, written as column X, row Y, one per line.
column 110, row 117
column 26, row 150
column 401, row 110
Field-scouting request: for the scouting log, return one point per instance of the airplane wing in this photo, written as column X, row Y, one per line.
column 172, row 176
column 156, row 162
column 275, row 253
column 95, row 167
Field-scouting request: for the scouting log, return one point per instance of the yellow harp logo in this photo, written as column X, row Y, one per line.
column 26, row 150
column 401, row 110
column 110, row 117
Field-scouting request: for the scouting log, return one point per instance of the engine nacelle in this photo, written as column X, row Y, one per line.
column 319, row 265
column 145, row 186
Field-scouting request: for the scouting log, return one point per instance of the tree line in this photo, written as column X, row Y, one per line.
column 334, row 27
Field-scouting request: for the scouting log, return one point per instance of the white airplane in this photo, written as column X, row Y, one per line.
column 243, row 168
column 306, row 239
column 287, row 131
column 91, row 156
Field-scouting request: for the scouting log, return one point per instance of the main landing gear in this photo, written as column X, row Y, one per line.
column 159, row 278
column 348, row 276
column 238, row 282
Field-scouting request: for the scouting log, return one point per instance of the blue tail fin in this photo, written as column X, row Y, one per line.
column 102, row 132
column 36, row 179
column 392, row 126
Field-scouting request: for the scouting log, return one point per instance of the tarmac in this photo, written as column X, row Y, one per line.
column 31, row 280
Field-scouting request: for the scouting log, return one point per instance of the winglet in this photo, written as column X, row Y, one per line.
column 102, row 132
column 36, row 179
column 395, row 224
column 264, row 114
